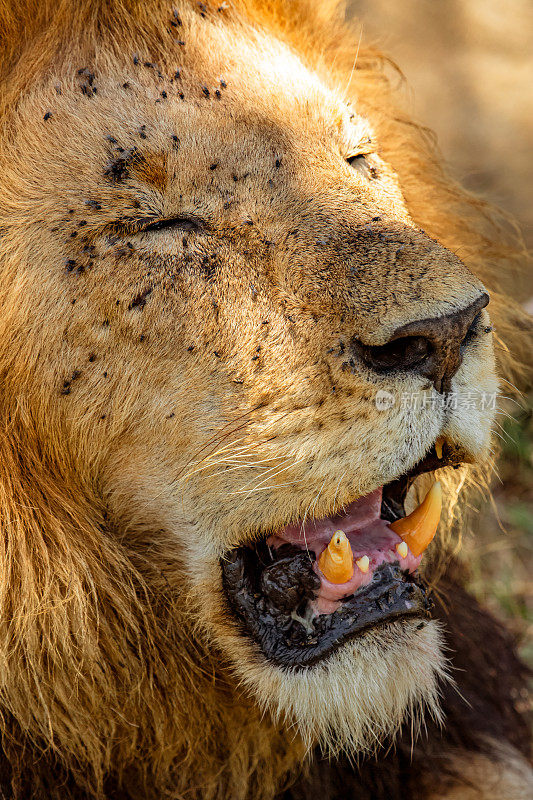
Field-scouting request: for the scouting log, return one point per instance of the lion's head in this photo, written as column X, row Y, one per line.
column 240, row 306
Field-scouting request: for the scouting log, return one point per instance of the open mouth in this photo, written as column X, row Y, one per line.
column 305, row 590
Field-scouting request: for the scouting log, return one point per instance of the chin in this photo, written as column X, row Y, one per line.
column 358, row 696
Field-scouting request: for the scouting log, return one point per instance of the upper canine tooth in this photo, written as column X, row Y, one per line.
column 438, row 446
column 418, row 529
column 363, row 563
column 336, row 562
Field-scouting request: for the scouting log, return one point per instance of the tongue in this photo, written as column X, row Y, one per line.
column 371, row 540
column 316, row 534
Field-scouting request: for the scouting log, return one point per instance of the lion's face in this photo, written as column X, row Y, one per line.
column 238, row 328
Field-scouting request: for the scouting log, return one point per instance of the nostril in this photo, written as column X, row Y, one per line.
column 432, row 347
column 403, row 353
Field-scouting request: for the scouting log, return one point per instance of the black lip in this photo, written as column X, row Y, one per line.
column 392, row 594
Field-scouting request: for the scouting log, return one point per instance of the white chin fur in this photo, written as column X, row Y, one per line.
column 361, row 694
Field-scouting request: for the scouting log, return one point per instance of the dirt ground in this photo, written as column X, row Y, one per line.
column 468, row 66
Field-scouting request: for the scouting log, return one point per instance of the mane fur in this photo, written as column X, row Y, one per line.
column 72, row 595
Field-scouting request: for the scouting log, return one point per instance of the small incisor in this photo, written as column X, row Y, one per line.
column 419, row 528
column 336, row 561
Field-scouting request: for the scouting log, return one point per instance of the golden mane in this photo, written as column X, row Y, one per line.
column 58, row 569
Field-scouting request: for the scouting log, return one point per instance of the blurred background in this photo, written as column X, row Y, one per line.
column 468, row 66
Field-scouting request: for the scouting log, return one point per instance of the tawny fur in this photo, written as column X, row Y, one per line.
column 166, row 398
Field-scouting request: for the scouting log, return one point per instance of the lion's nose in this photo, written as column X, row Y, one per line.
column 432, row 348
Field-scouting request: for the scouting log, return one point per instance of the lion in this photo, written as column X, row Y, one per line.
column 242, row 304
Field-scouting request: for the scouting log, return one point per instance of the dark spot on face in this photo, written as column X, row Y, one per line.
column 169, row 416
column 176, row 17
column 82, row 223
column 139, row 301
column 70, row 264
column 118, row 169
column 47, row 116
column 90, row 250
column 135, row 59
column 88, row 90
column 218, row 94
column 87, row 74
column 190, row 348
column 94, row 204
column 142, row 131
column 105, row 323
column 278, row 163
column 105, row 374
column 181, row 96
column 92, row 358
column 73, row 234
column 110, row 138
column 213, row 166
column 177, row 74
column 57, row 87
column 376, row 219
column 216, row 353
column 175, row 141
column 223, row 83
column 125, row 85
column 205, row 91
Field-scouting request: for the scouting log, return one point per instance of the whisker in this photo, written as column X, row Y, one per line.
column 265, row 488
column 353, row 65
column 269, row 477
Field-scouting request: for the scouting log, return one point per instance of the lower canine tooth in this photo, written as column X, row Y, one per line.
column 336, row 562
column 363, row 563
column 402, row 549
column 418, row 529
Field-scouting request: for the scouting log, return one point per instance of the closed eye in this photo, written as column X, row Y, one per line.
column 353, row 160
column 183, row 223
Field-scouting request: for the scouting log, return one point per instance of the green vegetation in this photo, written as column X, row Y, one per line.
column 500, row 553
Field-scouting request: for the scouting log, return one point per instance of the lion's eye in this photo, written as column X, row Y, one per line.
column 354, row 160
column 181, row 223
